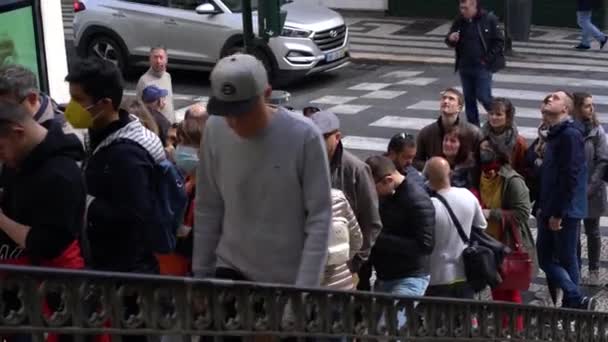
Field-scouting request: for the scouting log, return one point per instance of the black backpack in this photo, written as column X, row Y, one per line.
column 482, row 256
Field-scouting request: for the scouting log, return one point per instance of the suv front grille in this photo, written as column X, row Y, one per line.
column 330, row 39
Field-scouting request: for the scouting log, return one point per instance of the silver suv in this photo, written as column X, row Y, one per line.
column 197, row 33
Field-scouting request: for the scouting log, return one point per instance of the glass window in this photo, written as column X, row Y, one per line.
column 150, row 2
column 19, row 39
column 189, row 5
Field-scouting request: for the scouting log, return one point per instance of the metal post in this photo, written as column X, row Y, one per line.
column 508, row 42
column 248, row 36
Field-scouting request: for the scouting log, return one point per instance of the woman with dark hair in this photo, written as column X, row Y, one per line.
column 457, row 151
column 506, row 206
column 501, row 130
column 596, row 153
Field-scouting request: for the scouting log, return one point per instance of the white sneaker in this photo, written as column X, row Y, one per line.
column 593, row 279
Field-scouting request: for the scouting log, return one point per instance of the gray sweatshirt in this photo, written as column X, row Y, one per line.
column 163, row 81
column 263, row 204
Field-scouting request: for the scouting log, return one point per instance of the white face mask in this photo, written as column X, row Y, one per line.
column 186, row 158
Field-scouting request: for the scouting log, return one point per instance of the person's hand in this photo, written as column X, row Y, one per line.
column 555, row 223
column 355, row 279
column 454, row 37
column 486, row 213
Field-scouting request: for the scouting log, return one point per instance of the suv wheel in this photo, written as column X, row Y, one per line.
column 257, row 53
column 107, row 49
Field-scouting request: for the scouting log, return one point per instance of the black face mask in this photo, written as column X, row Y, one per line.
column 486, row 156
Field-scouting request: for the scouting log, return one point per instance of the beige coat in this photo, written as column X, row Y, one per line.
column 345, row 240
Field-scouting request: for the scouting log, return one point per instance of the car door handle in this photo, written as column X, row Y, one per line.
column 119, row 15
column 170, row 22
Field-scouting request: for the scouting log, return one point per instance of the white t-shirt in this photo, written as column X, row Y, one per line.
column 447, row 265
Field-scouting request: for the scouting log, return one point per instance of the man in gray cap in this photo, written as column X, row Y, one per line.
column 354, row 178
column 263, row 206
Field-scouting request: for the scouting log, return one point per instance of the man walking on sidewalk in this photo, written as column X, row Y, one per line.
column 479, row 43
column 584, row 10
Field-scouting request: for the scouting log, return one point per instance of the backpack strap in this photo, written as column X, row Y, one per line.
column 461, row 232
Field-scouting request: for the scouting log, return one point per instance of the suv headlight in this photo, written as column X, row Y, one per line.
column 295, row 33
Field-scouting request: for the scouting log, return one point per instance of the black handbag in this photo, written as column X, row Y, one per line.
column 483, row 255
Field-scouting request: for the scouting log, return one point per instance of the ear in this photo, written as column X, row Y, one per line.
column 338, row 135
column 32, row 98
column 268, row 92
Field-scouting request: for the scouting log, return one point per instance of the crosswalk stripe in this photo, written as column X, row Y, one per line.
column 416, row 124
column 536, row 95
column 440, row 49
column 550, row 80
column 534, row 43
column 520, row 112
column 354, row 142
column 422, row 53
column 378, row 57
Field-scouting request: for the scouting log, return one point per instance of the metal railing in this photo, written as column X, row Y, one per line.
column 39, row 301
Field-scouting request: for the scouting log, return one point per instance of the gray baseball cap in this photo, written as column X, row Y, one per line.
column 237, row 81
column 326, row 121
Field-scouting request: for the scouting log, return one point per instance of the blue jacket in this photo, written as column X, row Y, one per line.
column 563, row 174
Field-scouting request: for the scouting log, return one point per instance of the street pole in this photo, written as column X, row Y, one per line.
column 248, row 36
column 508, row 41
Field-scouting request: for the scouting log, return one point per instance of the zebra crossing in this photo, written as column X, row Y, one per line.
column 396, row 99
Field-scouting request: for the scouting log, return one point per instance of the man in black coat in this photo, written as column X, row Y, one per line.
column 479, row 44
column 401, row 253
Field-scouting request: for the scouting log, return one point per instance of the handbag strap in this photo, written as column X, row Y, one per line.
column 509, row 220
column 461, row 232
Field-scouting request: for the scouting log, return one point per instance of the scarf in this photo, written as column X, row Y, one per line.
column 505, row 140
column 543, row 131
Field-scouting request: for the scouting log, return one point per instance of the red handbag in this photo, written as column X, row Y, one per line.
column 517, row 267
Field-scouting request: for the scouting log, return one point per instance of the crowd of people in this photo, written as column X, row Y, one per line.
column 261, row 193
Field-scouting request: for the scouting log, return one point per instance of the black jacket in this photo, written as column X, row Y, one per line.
column 47, row 193
column 490, row 35
column 408, row 234
column 120, row 177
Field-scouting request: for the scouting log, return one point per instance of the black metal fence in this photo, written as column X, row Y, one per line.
column 39, row 301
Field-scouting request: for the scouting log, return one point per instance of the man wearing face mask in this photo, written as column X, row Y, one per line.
column 120, row 172
column 157, row 75
column 562, row 200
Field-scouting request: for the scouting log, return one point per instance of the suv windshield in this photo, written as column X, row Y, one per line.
column 237, row 5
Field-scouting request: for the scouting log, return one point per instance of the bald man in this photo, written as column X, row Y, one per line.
column 447, row 266
column 562, row 200
column 196, row 110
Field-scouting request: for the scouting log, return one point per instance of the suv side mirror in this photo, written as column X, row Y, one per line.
column 206, row 8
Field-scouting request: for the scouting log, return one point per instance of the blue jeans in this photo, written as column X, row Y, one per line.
column 558, row 258
column 583, row 19
column 413, row 286
column 476, row 85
